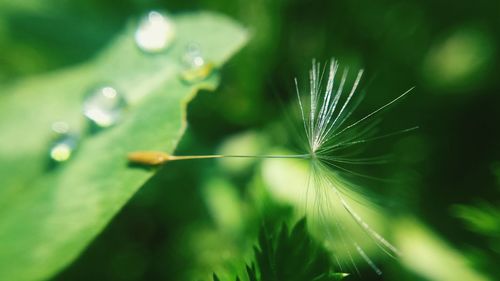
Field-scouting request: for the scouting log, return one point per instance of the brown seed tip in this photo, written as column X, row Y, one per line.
column 149, row 158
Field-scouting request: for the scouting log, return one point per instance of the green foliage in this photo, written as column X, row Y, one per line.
column 48, row 216
column 447, row 49
column 290, row 255
column 482, row 218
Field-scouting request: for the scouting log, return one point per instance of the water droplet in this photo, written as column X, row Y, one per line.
column 64, row 143
column 60, row 127
column 155, row 32
column 196, row 67
column 193, row 57
column 104, row 106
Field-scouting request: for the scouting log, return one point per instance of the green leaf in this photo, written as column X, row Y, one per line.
column 48, row 216
column 293, row 256
column 252, row 273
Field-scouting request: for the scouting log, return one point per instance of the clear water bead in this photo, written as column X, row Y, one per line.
column 155, row 32
column 196, row 67
column 60, row 127
column 104, row 106
column 193, row 57
column 64, row 143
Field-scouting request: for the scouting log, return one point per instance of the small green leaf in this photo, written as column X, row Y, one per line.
column 293, row 256
column 252, row 273
column 47, row 217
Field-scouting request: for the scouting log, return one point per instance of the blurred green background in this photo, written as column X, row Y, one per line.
column 175, row 227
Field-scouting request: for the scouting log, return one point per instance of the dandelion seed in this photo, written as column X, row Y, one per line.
column 330, row 134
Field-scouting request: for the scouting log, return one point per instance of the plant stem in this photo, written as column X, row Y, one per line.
column 153, row 158
column 190, row 157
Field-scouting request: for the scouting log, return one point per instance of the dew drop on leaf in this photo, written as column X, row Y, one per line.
column 196, row 67
column 64, row 143
column 155, row 32
column 104, row 106
column 192, row 57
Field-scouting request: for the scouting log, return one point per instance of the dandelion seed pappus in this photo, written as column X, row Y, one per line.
column 331, row 140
